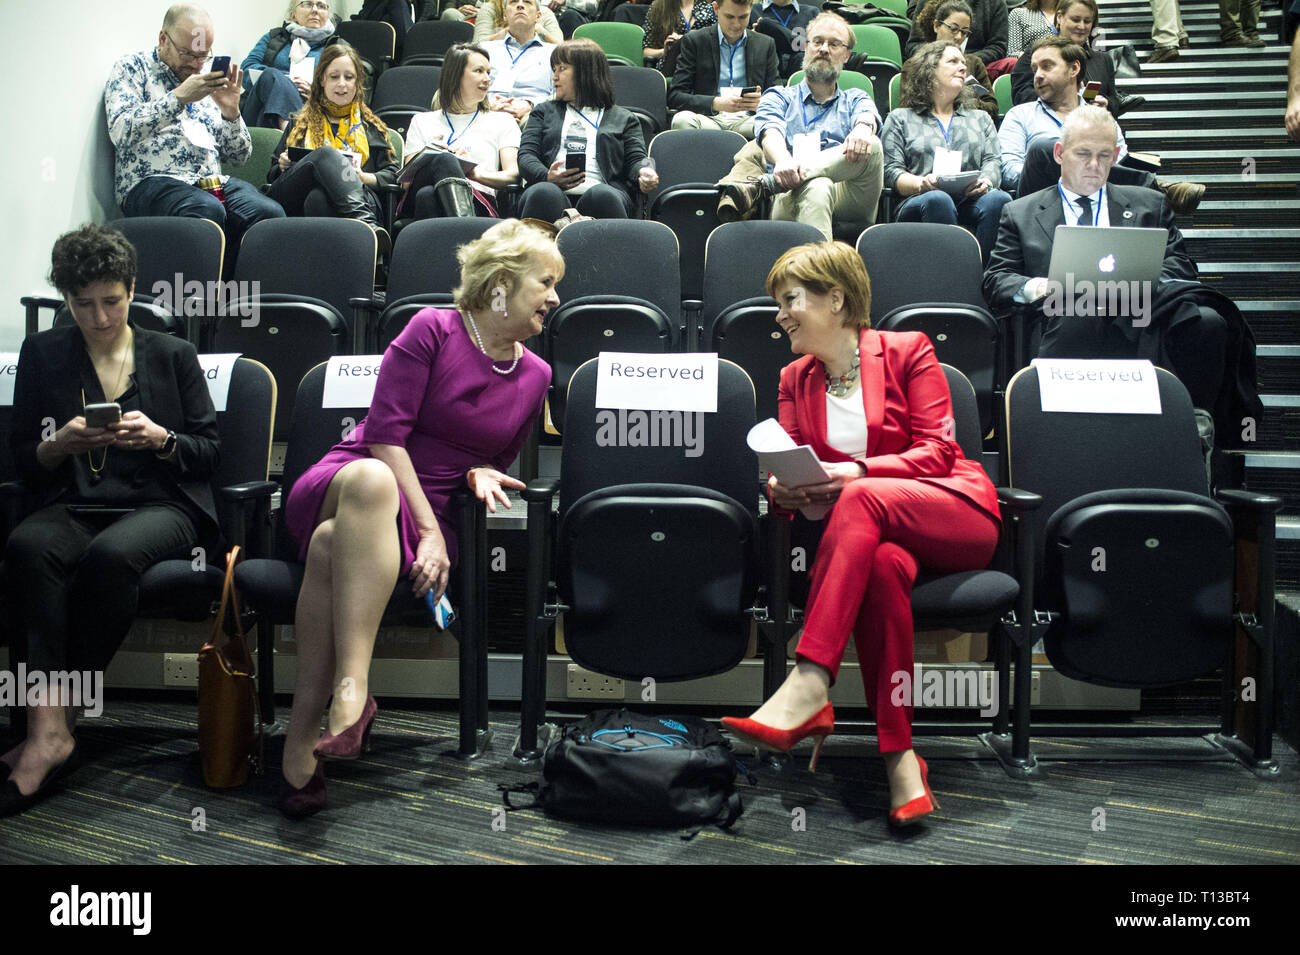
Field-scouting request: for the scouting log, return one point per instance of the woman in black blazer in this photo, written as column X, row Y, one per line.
column 582, row 112
column 112, row 500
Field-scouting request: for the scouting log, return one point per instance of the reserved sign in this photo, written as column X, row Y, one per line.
column 657, row 382
column 217, row 371
column 350, row 381
column 1105, row 386
column 8, row 373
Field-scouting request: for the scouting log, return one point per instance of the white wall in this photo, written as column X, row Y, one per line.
column 56, row 169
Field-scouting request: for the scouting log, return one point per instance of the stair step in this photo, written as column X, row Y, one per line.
column 1277, row 374
column 1273, row 98
column 1188, row 163
column 1167, row 119
column 1239, row 280
column 1195, row 83
column 1280, row 428
column 1249, row 140
column 1274, row 322
column 1244, row 245
column 1275, row 472
column 1245, row 214
column 1233, row 189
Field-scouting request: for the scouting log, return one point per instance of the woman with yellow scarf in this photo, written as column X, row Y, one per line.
column 350, row 159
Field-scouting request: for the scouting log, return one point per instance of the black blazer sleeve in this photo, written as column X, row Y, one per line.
column 621, row 148
column 1005, row 275
column 697, row 60
column 540, row 141
column 1022, row 80
column 381, row 161
column 763, row 69
column 992, row 39
column 273, row 173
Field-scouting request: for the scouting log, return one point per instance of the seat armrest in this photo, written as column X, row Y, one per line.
column 1249, row 500
column 542, row 489
column 249, row 490
column 1017, row 501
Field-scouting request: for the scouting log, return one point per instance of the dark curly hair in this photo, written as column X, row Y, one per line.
column 936, row 11
column 93, row 253
column 917, row 84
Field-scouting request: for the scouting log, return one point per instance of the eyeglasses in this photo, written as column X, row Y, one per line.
column 828, row 43
column 185, row 53
column 313, row 5
column 957, row 31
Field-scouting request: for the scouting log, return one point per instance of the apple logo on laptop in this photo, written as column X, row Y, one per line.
column 1107, row 264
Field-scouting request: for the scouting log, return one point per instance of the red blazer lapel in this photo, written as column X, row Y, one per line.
column 813, row 407
column 871, row 358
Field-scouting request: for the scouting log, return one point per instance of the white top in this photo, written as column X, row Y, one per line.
column 483, row 135
column 846, row 425
column 579, row 125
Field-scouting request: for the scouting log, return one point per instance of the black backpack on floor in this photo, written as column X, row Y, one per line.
column 632, row 768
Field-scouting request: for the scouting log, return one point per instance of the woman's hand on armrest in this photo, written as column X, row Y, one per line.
column 488, row 485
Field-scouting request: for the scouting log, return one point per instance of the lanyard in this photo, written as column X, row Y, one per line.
column 515, row 59
column 945, row 130
column 1096, row 209
column 731, row 62
column 343, row 137
column 689, row 20
column 455, row 135
column 803, row 112
column 788, row 17
column 596, row 125
column 1049, row 114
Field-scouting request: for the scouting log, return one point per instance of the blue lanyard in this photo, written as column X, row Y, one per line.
column 1049, row 115
column 599, row 116
column 1096, row 212
column 803, row 112
column 455, row 135
column 689, row 21
column 945, row 130
column 788, row 17
column 515, row 59
column 731, row 62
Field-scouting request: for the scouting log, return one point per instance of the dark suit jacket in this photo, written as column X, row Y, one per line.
column 908, row 410
column 173, row 393
column 695, row 80
column 1028, row 226
column 1099, row 68
column 620, row 147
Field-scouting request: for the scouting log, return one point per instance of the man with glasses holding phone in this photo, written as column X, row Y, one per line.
column 173, row 122
column 815, row 148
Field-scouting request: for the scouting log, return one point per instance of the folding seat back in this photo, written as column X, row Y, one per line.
column 428, row 41
column 375, row 40
column 424, row 270
column 914, row 262
column 643, row 91
column 403, row 91
column 620, row 41
column 255, row 168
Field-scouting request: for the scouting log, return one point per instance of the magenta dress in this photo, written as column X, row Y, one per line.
column 438, row 397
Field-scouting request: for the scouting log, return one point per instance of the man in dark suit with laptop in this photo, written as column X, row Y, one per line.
column 1164, row 315
column 715, row 66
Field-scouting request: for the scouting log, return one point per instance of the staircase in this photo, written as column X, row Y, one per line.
column 1214, row 115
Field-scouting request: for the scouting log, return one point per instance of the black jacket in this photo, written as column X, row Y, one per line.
column 381, row 160
column 695, row 79
column 988, row 37
column 620, row 148
column 1099, row 68
column 173, row 393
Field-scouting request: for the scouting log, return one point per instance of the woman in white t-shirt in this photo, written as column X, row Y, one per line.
column 460, row 126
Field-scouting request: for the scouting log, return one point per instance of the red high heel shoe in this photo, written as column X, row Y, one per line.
column 916, row 809
column 820, row 725
column 352, row 741
column 304, row 802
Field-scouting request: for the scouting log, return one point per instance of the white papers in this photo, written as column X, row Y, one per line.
column 217, row 370
column 947, row 162
column 794, row 465
column 8, row 373
column 304, row 69
column 650, row 382
column 1102, row 386
column 350, row 381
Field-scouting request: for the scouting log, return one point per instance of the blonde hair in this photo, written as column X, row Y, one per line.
column 498, row 258
column 821, row 266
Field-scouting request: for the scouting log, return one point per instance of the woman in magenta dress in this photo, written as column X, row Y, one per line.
column 456, row 396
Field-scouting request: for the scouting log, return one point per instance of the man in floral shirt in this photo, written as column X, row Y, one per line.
column 173, row 124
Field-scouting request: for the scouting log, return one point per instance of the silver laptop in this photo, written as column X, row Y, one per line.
column 1092, row 254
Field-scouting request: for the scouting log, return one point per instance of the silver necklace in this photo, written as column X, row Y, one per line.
column 837, row 386
column 479, row 338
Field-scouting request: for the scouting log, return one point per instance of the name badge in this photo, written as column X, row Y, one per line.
column 806, row 148
column 354, row 158
column 947, row 162
column 196, row 132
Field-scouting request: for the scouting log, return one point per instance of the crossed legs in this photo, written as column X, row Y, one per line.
column 353, row 561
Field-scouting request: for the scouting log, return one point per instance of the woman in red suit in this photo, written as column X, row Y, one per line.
column 874, row 407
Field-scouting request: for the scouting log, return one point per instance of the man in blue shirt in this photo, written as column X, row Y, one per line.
column 714, row 65
column 815, row 147
column 521, row 62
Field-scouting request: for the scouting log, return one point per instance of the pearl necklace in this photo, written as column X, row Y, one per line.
column 479, row 338
column 838, row 386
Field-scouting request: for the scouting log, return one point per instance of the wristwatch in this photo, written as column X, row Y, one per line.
column 169, row 446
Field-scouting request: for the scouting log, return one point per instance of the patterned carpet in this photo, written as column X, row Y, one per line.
column 138, row 796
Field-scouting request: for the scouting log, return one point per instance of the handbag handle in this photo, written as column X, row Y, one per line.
column 230, row 599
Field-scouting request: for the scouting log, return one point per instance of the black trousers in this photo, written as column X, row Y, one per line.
column 545, row 200
column 434, row 169
column 1042, row 170
column 323, row 183
column 74, row 581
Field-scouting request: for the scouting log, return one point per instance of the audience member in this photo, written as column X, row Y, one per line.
column 666, row 23
column 1183, row 326
column 521, row 63
column 1029, row 130
column 1028, row 24
column 172, row 126
column 350, row 160
column 287, row 58
column 818, row 141
column 936, row 125
column 460, row 126
column 1076, row 21
column 988, row 36
column 112, row 498
column 786, row 22
column 1167, row 31
column 1239, row 23
column 580, row 145
column 493, row 23
column 949, row 21
column 454, row 402
column 874, row 407
column 714, row 67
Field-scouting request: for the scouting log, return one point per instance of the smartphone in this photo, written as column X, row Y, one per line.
column 443, row 614
column 576, row 161
column 748, row 89
column 1090, row 91
column 220, row 64
column 297, row 152
column 103, row 414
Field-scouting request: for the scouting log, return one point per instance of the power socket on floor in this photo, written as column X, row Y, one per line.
column 585, row 685
column 180, row 669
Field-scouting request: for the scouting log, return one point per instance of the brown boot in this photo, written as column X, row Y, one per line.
column 1163, row 54
column 1183, row 197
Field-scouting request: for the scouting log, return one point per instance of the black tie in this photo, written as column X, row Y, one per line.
column 1085, row 217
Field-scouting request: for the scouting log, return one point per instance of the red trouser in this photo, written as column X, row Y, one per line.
column 880, row 533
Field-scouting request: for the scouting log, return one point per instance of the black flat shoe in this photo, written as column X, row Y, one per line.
column 13, row 802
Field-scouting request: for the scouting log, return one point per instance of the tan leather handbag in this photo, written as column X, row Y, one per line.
column 228, row 707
